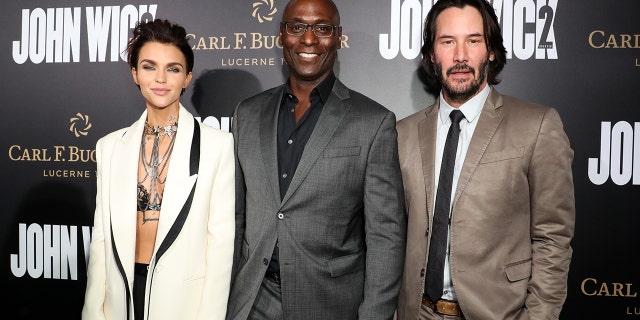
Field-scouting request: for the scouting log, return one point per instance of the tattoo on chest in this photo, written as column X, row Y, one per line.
column 146, row 217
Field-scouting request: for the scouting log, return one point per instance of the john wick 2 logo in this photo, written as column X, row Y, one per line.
column 52, row 35
column 527, row 28
column 619, row 154
column 49, row 251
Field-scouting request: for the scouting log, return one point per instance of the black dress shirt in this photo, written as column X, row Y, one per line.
column 293, row 137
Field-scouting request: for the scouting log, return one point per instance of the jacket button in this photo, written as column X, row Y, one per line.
column 265, row 261
column 422, row 273
column 280, row 215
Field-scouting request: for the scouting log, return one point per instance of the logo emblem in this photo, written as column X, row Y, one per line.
column 267, row 5
column 80, row 125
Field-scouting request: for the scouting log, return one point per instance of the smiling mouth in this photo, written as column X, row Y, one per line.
column 308, row 55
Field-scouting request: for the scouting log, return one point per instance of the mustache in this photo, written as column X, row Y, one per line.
column 461, row 67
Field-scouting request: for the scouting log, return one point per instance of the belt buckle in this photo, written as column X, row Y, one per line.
column 443, row 307
column 449, row 308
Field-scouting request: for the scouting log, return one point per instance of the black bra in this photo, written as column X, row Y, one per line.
column 143, row 199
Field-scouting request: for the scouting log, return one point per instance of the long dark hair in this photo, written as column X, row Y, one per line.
column 492, row 35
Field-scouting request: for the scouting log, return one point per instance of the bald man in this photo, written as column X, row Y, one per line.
column 320, row 222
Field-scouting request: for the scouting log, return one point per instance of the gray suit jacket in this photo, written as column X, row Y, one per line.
column 341, row 226
column 513, row 212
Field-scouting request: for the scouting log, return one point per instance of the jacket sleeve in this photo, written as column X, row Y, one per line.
column 220, row 236
column 96, row 270
column 240, row 201
column 385, row 224
column 552, row 219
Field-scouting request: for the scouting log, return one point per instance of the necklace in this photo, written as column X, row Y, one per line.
column 167, row 130
column 154, row 167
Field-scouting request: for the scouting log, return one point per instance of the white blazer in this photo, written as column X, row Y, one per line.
column 191, row 279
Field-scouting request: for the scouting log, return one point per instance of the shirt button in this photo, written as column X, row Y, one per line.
column 265, row 261
column 280, row 215
column 284, row 176
column 290, row 141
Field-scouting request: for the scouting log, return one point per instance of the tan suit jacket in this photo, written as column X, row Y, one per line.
column 513, row 212
column 191, row 279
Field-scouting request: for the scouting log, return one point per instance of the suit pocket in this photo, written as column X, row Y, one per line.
column 505, row 154
column 519, row 270
column 341, row 152
column 346, row 264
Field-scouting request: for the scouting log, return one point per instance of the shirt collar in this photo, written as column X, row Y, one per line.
column 323, row 90
column 471, row 109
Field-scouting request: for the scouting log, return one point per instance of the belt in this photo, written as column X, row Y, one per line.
column 273, row 277
column 444, row 307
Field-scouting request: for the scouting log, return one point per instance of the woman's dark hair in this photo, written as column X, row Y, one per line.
column 492, row 35
column 161, row 31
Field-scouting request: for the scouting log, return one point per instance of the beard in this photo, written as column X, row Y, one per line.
column 459, row 91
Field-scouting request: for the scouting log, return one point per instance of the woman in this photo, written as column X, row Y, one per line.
column 164, row 224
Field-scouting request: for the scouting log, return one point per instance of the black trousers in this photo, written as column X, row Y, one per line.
column 139, row 284
column 268, row 303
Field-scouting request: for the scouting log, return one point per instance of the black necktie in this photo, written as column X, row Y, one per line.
column 439, row 229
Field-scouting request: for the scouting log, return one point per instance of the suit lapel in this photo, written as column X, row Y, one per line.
column 179, row 182
column 427, row 129
column 122, row 200
column 488, row 123
column 333, row 111
column 268, row 137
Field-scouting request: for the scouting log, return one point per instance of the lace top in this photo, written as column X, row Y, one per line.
column 143, row 200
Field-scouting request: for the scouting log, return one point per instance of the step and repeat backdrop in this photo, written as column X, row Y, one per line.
column 66, row 84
